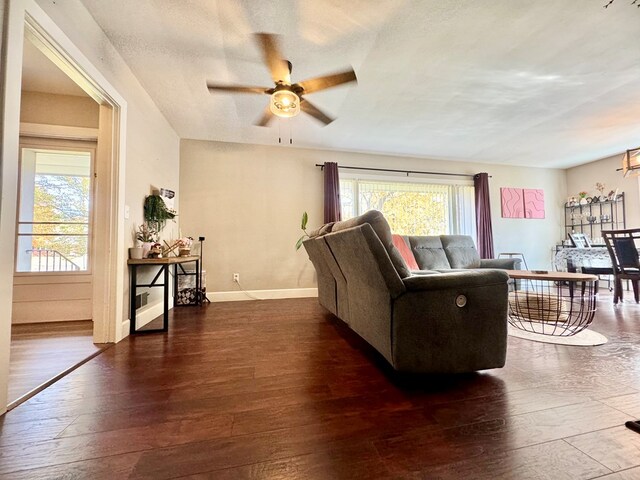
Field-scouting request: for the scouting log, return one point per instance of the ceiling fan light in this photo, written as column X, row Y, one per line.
column 285, row 103
column 631, row 162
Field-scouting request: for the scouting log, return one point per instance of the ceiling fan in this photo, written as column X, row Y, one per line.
column 287, row 99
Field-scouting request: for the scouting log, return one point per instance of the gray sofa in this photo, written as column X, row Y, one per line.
column 442, row 319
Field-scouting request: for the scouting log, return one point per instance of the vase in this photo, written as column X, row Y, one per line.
column 136, row 253
column 146, row 246
column 583, row 201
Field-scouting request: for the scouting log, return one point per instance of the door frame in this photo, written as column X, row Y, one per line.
column 25, row 17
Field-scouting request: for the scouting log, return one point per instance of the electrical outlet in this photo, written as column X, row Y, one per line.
column 236, row 277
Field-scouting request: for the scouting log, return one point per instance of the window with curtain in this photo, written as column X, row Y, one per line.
column 412, row 208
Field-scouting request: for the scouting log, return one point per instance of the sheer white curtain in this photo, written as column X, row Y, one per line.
column 412, row 208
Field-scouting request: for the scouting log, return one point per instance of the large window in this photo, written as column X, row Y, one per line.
column 53, row 216
column 412, row 208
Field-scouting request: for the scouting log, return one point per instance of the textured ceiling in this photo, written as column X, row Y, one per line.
column 539, row 83
column 39, row 74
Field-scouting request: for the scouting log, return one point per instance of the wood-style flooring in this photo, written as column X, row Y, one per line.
column 40, row 351
column 282, row 390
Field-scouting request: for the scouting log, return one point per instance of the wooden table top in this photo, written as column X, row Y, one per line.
column 162, row 261
column 552, row 276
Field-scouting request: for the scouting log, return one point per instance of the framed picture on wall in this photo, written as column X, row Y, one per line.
column 580, row 240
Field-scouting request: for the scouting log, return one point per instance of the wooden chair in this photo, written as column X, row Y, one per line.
column 623, row 249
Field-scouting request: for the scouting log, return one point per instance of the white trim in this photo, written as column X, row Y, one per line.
column 58, row 131
column 237, row 296
column 146, row 315
column 124, row 328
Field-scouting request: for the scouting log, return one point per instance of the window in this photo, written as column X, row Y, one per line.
column 412, row 208
column 53, row 212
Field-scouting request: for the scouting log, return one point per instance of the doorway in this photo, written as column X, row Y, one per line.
column 52, row 320
column 28, row 24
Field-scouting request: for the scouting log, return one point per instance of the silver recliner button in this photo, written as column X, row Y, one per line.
column 461, row 301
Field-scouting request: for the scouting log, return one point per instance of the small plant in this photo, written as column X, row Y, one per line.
column 583, row 194
column 146, row 234
column 156, row 212
column 303, row 226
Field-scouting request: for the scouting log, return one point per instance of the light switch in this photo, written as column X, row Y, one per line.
column 126, row 211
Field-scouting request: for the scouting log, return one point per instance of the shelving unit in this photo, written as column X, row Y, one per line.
column 613, row 208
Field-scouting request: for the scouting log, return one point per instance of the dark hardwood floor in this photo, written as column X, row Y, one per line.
column 281, row 390
column 40, row 351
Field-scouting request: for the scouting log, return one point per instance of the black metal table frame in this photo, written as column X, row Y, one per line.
column 164, row 271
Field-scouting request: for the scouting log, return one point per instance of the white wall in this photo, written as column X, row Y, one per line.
column 152, row 146
column 248, row 199
column 584, row 178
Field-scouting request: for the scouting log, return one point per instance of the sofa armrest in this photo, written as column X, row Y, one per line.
column 442, row 281
column 502, row 263
column 451, row 322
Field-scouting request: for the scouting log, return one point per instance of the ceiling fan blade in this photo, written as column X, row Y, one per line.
column 328, row 81
column 236, row 88
column 266, row 117
column 315, row 112
column 276, row 64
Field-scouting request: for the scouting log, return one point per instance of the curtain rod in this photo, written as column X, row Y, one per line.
column 401, row 171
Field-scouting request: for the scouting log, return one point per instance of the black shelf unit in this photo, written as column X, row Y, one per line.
column 613, row 208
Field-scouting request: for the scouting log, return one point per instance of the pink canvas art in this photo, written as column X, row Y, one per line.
column 533, row 203
column 512, row 203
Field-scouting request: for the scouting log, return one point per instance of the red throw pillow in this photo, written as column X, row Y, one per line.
column 405, row 251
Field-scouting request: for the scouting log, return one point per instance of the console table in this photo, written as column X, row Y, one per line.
column 164, row 264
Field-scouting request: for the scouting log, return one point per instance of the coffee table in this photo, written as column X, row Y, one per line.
column 545, row 305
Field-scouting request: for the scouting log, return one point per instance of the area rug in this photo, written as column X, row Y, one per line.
column 585, row 338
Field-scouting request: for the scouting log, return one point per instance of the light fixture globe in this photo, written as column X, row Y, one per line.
column 285, row 103
column 631, row 162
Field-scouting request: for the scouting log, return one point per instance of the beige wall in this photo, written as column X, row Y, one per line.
column 46, row 108
column 248, row 199
column 584, row 177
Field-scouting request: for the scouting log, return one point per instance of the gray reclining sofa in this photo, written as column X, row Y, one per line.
column 441, row 319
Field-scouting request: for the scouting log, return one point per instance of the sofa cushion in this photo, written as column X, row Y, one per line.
column 382, row 229
column 461, row 251
column 321, row 230
column 405, row 250
column 429, row 253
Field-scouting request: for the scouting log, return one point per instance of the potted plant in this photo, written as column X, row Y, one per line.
column 156, row 212
column 303, row 226
column 147, row 236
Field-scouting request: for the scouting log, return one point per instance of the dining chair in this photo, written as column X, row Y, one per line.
column 623, row 249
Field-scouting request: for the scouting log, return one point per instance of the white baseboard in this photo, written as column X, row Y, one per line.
column 145, row 316
column 125, row 329
column 236, row 296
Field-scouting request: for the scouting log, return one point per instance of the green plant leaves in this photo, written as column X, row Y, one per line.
column 156, row 213
column 305, row 219
column 299, row 242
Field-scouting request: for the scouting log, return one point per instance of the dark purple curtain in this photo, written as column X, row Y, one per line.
column 332, row 211
column 483, row 215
